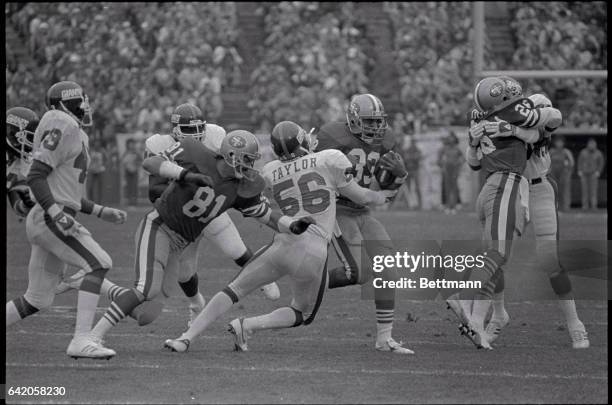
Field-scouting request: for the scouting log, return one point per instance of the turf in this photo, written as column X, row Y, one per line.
column 332, row 360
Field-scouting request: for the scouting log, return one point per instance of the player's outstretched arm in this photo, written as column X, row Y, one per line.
column 108, row 214
column 258, row 207
column 365, row 196
column 37, row 181
column 160, row 166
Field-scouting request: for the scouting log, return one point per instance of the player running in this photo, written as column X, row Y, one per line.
column 502, row 205
column 57, row 181
column 543, row 214
column 304, row 186
column 21, row 123
column 206, row 185
column 187, row 121
column 362, row 139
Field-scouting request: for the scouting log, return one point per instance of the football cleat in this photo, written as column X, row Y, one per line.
column 495, row 326
column 241, row 335
column 271, row 291
column 478, row 336
column 461, row 308
column 579, row 337
column 392, row 346
column 71, row 283
column 177, row 345
column 88, row 347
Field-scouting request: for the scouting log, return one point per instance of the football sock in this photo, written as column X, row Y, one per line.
column 568, row 307
column 480, row 308
column 498, row 305
column 87, row 304
column 124, row 304
column 190, row 287
column 18, row 309
column 218, row 305
column 384, row 319
column 111, row 290
column 197, row 300
column 284, row 317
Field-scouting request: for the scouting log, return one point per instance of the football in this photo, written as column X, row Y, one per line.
column 383, row 176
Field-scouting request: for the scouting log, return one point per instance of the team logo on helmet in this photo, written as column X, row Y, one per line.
column 513, row 87
column 237, row 141
column 354, row 108
column 17, row 121
column 496, row 90
column 175, row 118
column 69, row 94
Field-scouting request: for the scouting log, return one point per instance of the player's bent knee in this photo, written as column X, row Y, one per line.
column 561, row 283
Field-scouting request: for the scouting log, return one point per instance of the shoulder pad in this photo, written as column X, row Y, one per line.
column 157, row 143
column 251, row 188
column 214, row 137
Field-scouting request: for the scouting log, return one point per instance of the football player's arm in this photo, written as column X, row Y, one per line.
column 107, row 214
column 161, row 166
column 473, row 156
column 157, row 185
column 19, row 197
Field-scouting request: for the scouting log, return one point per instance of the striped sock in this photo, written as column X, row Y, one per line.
column 111, row 290
column 118, row 309
column 384, row 324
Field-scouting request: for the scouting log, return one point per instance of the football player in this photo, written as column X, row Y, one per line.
column 304, row 186
column 543, row 214
column 362, row 139
column 57, row 181
column 187, row 121
column 205, row 186
column 502, row 205
column 21, row 123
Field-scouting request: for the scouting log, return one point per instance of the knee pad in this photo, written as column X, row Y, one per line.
column 561, row 283
column 299, row 318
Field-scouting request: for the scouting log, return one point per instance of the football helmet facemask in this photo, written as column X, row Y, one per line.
column 290, row 141
column 21, row 124
column 240, row 151
column 187, row 120
column 68, row 96
column 367, row 119
column 493, row 94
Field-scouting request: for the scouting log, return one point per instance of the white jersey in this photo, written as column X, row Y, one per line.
column 18, row 169
column 213, row 136
column 307, row 186
column 60, row 143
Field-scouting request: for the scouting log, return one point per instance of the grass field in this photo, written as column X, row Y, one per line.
column 331, row 361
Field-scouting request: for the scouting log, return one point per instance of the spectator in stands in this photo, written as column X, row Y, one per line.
column 450, row 160
column 95, row 172
column 412, row 159
column 131, row 162
column 561, row 169
column 590, row 164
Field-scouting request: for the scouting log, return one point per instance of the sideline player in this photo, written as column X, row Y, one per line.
column 57, row 181
column 205, row 186
column 502, row 205
column 21, row 123
column 543, row 212
column 362, row 139
column 304, row 185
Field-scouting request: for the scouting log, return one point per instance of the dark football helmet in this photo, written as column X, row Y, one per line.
column 69, row 97
column 367, row 119
column 289, row 140
column 21, row 124
column 240, row 150
column 493, row 94
column 188, row 120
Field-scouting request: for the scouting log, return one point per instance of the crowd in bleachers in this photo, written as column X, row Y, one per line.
column 311, row 63
column 556, row 35
column 137, row 61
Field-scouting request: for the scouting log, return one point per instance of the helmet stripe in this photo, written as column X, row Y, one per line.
column 375, row 103
column 476, row 95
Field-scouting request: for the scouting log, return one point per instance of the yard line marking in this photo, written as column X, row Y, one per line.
column 280, row 338
column 435, row 373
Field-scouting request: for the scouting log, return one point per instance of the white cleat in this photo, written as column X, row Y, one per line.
column 479, row 337
column 462, row 308
column 241, row 335
column 392, row 346
column 579, row 337
column 495, row 326
column 71, row 283
column 271, row 291
column 89, row 347
column 177, row 345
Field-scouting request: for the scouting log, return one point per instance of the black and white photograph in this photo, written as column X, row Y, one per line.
column 306, row 202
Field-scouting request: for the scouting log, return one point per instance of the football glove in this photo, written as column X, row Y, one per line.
column 299, row 227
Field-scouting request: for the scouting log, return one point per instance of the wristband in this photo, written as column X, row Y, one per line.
column 97, row 210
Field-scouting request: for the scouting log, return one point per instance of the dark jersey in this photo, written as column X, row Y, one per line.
column 187, row 208
column 363, row 156
column 507, row 154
